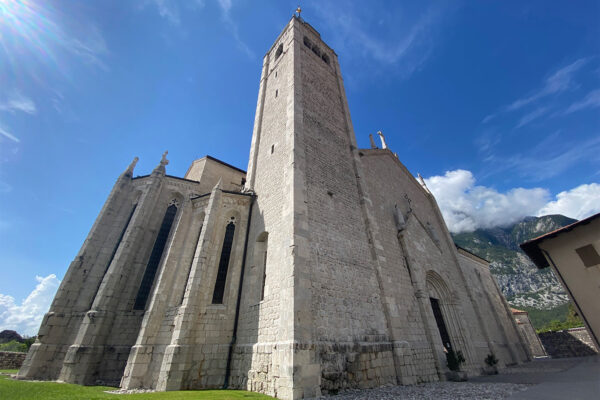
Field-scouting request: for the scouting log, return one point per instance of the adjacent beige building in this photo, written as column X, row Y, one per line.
column 573, row 252
column 326, row 267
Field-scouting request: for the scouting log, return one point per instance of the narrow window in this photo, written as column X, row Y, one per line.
column 325, row 58
column 316, row 50
column 155, row 256
column 307, row 42
column 264, row 277
column 279, row 51
column 260, row 261
column 223, row 264
column 272, row 148
column 276, row 92
column 275, row 74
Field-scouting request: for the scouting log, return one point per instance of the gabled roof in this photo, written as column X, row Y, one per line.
column 224, row 163
column 532, row 249
column 471, row 253
column 515, row 311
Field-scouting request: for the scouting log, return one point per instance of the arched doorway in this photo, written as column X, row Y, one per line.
column 445, row 309
column 439, row 296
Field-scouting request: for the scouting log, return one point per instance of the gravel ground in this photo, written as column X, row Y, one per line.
column 437, row 391
column 129, row 391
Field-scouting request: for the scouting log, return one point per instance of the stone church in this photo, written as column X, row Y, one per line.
column 323, row 267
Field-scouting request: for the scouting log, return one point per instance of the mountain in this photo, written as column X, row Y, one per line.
column 521, row 282
column 8, row 335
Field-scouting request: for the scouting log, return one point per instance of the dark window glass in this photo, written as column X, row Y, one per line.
column 155, row 256
column 264, row 277
column 589, row 256
column 223, row 264
column 307, row 42
column 279, row 51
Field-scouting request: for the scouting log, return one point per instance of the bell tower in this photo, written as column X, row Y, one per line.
column 315, row 287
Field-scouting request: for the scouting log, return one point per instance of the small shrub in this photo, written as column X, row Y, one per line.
column 491, row 360
column 454, row 359
column 13, row 345
column 29, row 341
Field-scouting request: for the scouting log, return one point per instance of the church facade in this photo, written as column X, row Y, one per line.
column 324, row 267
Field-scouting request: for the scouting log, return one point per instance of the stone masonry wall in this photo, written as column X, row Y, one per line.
column 504, row 338
column 528, row 334
column 11, row 359
column 350, row 330
column 426, row 251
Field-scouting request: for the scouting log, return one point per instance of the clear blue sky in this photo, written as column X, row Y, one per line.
column 495, row 103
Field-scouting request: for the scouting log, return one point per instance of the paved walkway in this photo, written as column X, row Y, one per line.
column 561, row 379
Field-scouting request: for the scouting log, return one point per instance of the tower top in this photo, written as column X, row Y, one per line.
column 298, row 11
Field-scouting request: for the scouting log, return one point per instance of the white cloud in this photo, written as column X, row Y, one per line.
column 467, row 207
column 27, row 317
column 550, row 157
column 90, row 46
column 558, row 82
column 16, row 101
column 578, row 203
column 225, row 5
column 7, row 134
column 405, row 46
column 535, row 114
column 592, row 100
column 168, row 10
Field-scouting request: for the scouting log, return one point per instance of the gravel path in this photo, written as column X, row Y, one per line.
column 437, row 391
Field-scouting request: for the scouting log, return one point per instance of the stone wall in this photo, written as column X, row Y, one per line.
column 500, row 331
column 11, row 360
column 574, row 342
column 528, row 333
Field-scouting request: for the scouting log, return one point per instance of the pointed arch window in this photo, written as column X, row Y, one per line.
column 219, row 291
column 155, row 256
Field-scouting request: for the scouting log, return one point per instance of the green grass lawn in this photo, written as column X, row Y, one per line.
column 22, row 390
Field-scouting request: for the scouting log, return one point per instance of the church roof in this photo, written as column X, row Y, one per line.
column 224, row 163
column 515, row 311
